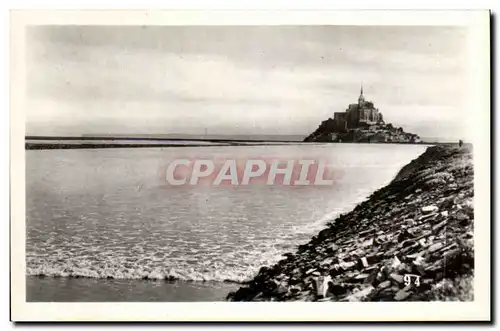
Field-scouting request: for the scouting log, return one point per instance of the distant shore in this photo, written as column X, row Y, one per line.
column 411, row 240
column 87, row 142
column 148, row 138
column 41, row 146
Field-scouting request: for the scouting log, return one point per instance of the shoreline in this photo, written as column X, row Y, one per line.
column 411, row 240
column 53, row 146
column 51, row 143
column 406, row 170
column 82, row 289
column 45, row 146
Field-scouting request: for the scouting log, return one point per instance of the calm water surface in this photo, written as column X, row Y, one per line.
column 102, row 220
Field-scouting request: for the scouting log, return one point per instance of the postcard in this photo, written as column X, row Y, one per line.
column 250, row 166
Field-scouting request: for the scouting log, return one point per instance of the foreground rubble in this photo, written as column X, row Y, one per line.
column 411, row 240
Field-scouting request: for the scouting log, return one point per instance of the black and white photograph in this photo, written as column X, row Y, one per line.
column 180, row 163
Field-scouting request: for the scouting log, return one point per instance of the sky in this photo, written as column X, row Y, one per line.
column 253, row 80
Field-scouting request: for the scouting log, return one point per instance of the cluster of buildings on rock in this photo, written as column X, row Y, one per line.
column 360, row 122
column 359, row 115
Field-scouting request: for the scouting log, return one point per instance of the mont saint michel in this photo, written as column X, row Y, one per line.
column 360, row 122
column 166, row 163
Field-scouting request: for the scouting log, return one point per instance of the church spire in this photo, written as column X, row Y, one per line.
column 361, row 98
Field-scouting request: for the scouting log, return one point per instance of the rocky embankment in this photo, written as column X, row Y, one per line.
column 411, row 240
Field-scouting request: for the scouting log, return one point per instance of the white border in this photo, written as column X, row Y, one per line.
column 479, row 85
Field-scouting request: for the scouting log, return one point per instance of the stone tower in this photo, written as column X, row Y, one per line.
column 361, row 98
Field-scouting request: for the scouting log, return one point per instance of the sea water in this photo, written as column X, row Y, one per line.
column 102, row 225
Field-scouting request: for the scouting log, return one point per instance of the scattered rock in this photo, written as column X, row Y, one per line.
column 310, row 271
column 435, row 247
column 360, row 295
column 419, row 260
column 324, row 299
column 384, row 284
column 429, row 209
column 327, row 262
column 439, row 226
column 281, row 289
column 397, row 278
column 383, row 239
column 410, row 222
column 364, row 262
column 462, row 218
column 367, row 243
column 403, row 235
column 426, row 217
column 451, row 253
column 336, row 289
column 295, row 289
column 333, row 248
column 395, row 263
column 401, row 295
column 361, row 276
column 347, row 265
column 322, row 284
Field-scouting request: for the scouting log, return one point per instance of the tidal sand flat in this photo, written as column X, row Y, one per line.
column 74, row 143
column 79, row 289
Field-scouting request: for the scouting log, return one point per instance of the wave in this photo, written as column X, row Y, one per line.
column 232, row 276
column 219, row 272
column 240, row 271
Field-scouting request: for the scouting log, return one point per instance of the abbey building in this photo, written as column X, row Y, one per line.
column 358, row 115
